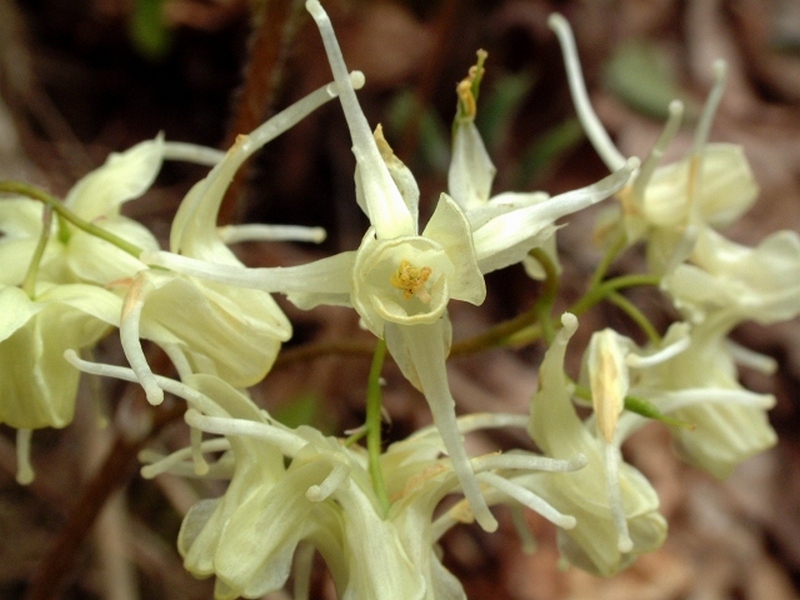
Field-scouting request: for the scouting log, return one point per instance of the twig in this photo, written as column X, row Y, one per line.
column 278, row 23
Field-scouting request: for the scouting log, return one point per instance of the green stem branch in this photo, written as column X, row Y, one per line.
column 34, row 193
column 602, row 268
column 636, row 315
column 602, row 291
column 374, row 444
column 29, row 283
column 544, row 305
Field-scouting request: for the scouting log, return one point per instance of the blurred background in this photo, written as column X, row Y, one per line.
column 79, row 80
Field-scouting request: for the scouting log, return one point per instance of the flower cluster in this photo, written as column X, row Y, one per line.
column 78, row 269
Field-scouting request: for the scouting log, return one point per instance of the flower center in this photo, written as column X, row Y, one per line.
column 412, row 281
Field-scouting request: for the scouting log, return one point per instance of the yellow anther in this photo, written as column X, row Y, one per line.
column 466, row 100
column 412, row 281
column 467, row 89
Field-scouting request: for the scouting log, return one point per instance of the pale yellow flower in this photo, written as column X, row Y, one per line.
column 615, row 506
column 400, row 280
column 292, row 489
column 667, row 204
column 37, row 386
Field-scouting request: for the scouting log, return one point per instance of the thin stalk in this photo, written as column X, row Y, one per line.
column 544, row 305
column 496, row 336
column 34, row 193
column 636, row 315
column 278, row 22
column 29, row 283
column 603, row 290
column 373, row 425
column 602, row 268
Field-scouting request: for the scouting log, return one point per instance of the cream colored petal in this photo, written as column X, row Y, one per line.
column 448, row 226
column 327, row 280
column 375, row 547
column 193, row 231
column 17, row 309
column 239, row 331
column 423, row 347
column 93, row 260
column 38, row 386
column 20, row 218
column 124, row 176
column 385, row 206
column 761, row 283
column 501, row 204
column 507, row 238
column 469, row 179
column 608, row 380
column 724, row 436
column 256, row 546
column 726, row 188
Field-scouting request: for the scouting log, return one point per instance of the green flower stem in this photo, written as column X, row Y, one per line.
column 544, row 305
column 602, row 291
column 499, row 335
column 640, row 406
column 29, row 283
column 647, row 409
column 637, row 315
column 373, row 424
column 34, row 193
column 523, row 329
column 355, row 437
column 602, row 268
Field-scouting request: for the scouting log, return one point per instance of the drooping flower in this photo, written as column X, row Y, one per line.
column 760, row 284
column 52, row 291
column 399, row 280
column 77, row 256
column 37, row 386
column 691, row 377
column 700, row 387
column 615, row 506
column 668, row 204
column 323, row 499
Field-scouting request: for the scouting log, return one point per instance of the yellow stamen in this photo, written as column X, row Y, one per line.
column 412, row 281
column 467, row 89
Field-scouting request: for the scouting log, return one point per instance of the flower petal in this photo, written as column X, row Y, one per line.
column 386, row 207
column 449, row 227
column 469, row 179
column 506, row 239
column 423, row 349
column 124, row 176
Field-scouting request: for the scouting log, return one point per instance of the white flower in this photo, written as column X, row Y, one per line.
column 37, row 386
column 73, row 255
column 526, row 219
column 690, row 377
column 698, row 385
column 713, row 185
column 615, row 506
column 760, row 284
column 400, row 281
column 324, row 499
